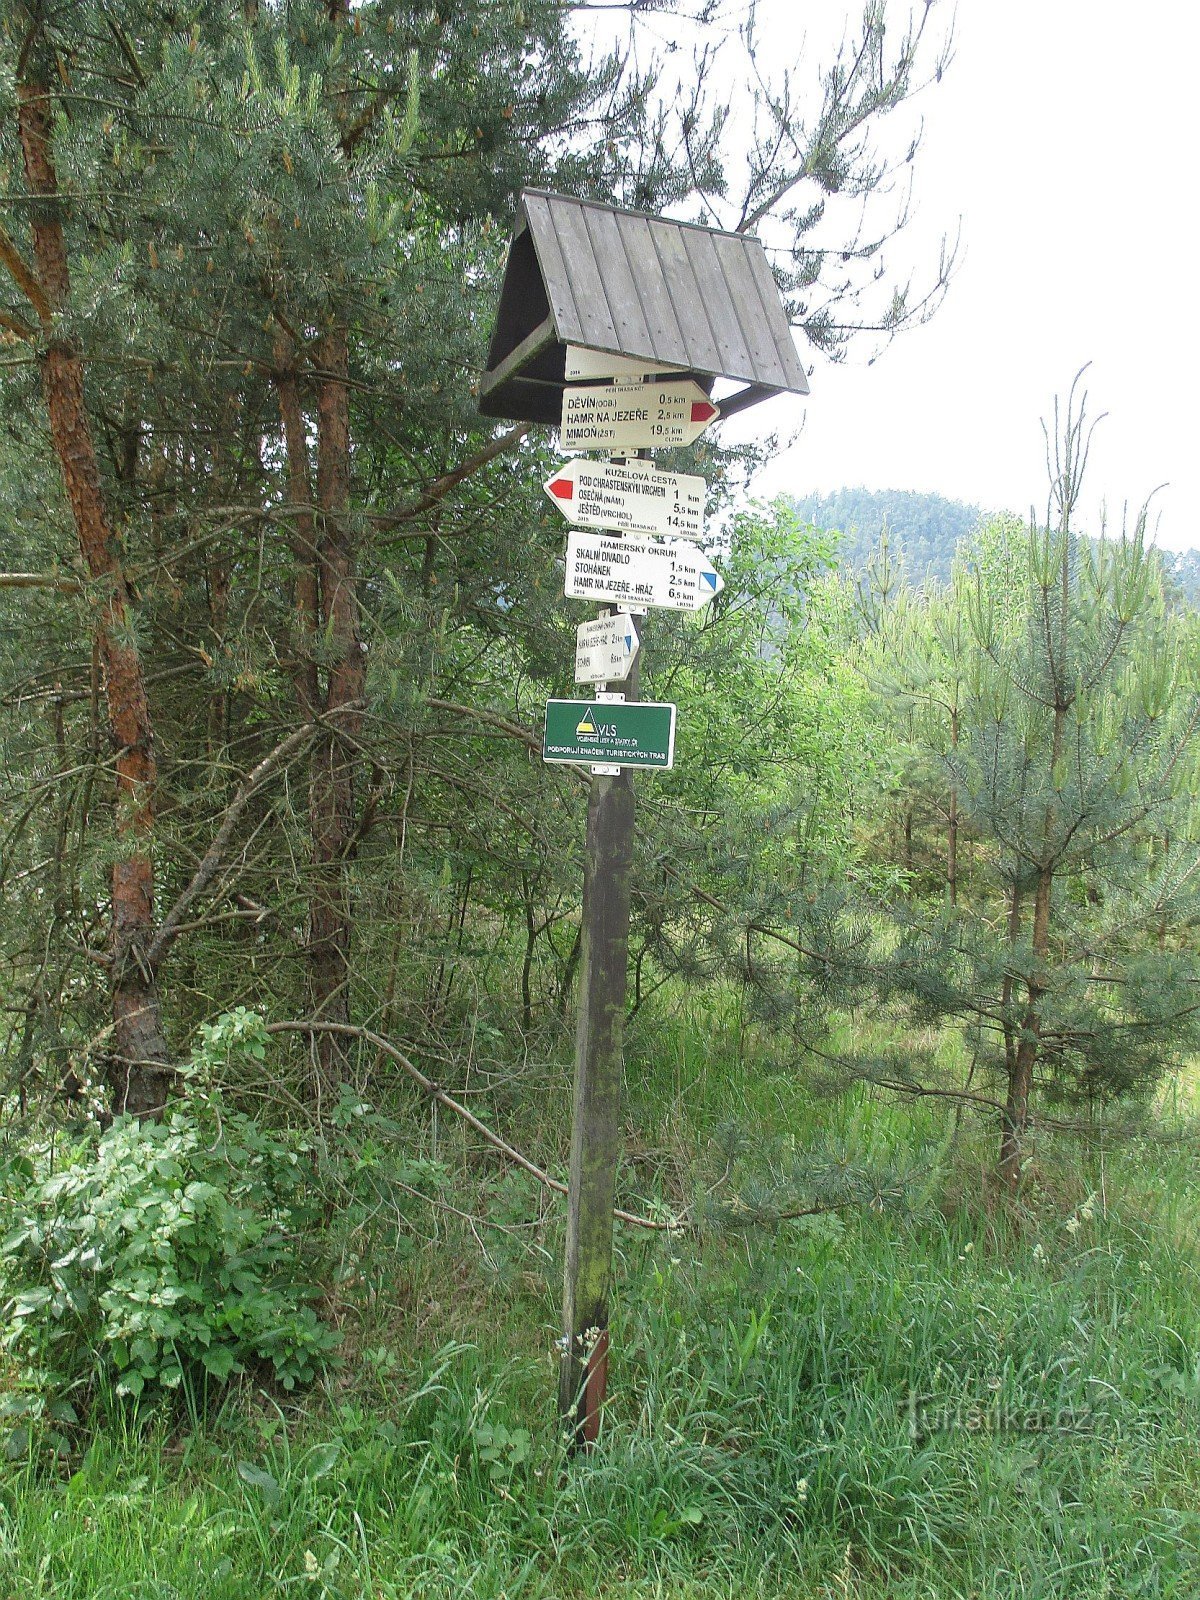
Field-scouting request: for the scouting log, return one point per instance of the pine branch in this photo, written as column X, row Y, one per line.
column 24, row 278
column 513, row 729
column 39, row 580
column 441, row 487
column 923, row 1091
column 15, row 325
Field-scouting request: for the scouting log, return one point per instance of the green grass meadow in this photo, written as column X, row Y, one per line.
column 925, row 1397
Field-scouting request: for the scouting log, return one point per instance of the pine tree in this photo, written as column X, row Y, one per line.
column 280, row 230
column 1074, row 767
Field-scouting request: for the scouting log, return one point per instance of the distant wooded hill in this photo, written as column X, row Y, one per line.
column 924, row 531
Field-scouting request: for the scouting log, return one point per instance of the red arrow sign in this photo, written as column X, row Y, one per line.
column 703, row 411
column 629, row 496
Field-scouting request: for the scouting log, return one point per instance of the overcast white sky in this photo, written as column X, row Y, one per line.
column 1065, row 136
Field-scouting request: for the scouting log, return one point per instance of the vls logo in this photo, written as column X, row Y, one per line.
column 589, row 728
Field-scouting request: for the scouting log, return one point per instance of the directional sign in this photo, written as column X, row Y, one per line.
column 636, row 496
column 585, row 363
column 638, row 734
column 605, row 649
column 639, row 572
column 634, row 416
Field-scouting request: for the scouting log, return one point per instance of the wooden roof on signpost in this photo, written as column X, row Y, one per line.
column 673, row 294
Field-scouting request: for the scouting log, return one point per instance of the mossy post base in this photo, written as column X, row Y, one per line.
column 596, row 1112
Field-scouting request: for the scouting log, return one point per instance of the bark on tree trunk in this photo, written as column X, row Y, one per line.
column 305, row 594
column 335, row 760
column 141, row 1076
column 1021, row 1066
column 1006, row 990
column 1020, row 1076
column 217, row 580
column 952, row 823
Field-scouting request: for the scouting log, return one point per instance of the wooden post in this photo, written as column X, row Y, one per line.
column 596, row 1112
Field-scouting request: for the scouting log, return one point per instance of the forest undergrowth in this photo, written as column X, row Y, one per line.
column 916, row 1392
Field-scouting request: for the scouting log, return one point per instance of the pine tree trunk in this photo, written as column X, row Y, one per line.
column 305, row 593
column 140, row 1048
column 1023, row 1061
column 324, row 598
column 531, row 933
column 1006, row 989
column 1021, row 1066
column 217, row 581
column 334, row 760
column 952, row 824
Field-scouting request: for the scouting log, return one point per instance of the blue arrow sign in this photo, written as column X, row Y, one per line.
column 628, row 570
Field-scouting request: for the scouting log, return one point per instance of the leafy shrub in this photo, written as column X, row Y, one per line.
column 159, row 1252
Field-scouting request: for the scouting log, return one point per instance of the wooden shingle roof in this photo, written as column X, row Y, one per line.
column 672, row 294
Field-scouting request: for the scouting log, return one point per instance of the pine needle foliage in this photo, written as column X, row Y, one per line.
column 1052, row 721
column 304, row 205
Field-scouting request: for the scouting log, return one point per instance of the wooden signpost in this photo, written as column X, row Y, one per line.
column 616, row 735
column 596, row 1101
column 594, row 293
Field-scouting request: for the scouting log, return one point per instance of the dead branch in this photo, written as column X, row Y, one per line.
column 436, row 1092
column 210, row 863
column 40, row 580
column 22, row 275
column 441, row 487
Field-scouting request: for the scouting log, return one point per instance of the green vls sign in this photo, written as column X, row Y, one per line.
column 640, row 734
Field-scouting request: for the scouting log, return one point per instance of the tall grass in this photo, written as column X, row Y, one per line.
column 910, row 1402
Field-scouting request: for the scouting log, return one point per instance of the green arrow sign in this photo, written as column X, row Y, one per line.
column 610, row 733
